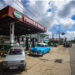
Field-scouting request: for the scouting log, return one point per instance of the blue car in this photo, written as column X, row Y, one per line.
column 40, row 49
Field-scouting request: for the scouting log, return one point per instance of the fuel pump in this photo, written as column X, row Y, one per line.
column 27, row 44
column 33, row 40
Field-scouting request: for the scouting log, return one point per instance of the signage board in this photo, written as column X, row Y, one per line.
column 17, row 14
column 32, row 22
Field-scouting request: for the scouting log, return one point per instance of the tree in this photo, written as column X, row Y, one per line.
column 43, row 35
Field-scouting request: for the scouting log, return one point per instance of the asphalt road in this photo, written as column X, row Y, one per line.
column 56, row 62
column 72, row 59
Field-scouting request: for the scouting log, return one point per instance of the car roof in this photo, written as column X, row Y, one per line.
column 17, row 47
column 43, row 43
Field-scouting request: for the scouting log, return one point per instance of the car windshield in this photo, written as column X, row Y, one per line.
column 40, row 45
column 15, row 52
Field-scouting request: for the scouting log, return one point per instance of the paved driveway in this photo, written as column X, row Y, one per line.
column 72, row 59
column 57, row 62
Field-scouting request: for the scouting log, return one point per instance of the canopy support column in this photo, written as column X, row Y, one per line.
column 12, row 34
column 38, row 35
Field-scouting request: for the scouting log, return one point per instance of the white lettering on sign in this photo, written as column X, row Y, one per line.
column 29, row 20
column 36, row 24
column 33, row 22
column 40, row 26
column 17, row 14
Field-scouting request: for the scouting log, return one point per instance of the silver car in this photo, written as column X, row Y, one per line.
column 15, row 59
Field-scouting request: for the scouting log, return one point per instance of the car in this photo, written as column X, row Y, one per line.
column 67, row 44
column 40, row 49
column 54, row 44
column 15, row 59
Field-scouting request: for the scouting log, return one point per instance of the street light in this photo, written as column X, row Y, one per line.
column 60, row 33
column 63, row 33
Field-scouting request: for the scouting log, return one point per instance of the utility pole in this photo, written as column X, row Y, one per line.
column 12, row 34
column 52, row 36
column 59, row 35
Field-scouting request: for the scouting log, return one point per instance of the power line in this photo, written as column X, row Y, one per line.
column 25, row 9
column 37, row 17
column 29, row 10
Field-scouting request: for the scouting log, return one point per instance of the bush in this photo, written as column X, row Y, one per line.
column 49, row 43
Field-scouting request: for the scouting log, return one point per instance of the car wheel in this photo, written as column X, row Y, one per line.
column 48, row 51
column 24, row 68
column 42, row 54
column 5, row 69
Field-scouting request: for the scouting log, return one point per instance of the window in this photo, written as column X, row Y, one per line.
column 15, row 52
column 46, row 45
column 40, row 45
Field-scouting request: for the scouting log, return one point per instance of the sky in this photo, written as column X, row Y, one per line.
column 55, row 15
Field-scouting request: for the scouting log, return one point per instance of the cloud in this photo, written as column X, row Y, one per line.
column 49, row 19
column 49, row 33
column 16, row 4
column 70, row 35
column 1, row 5
column 39, row 12
column 60, row 13
column 38, row 8
column 67, row 10
column 66, row 23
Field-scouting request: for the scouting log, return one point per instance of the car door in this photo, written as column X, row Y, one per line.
column 44, row 48
column 48, row 48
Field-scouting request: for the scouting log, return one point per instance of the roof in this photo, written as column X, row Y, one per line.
column 23, row 24
column 17, row 47
column 42, row 43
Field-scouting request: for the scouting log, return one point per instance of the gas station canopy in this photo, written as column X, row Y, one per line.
column 22, row 23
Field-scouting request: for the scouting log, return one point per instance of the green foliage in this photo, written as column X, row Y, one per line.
column 73, row 41
column 49, row 43
column 65, row 39
column 43, row 35
column 63, row 33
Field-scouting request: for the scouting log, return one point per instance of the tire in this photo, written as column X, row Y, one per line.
column 48, row 51
column 5, row 69
column 24, row 68
column 42, row 54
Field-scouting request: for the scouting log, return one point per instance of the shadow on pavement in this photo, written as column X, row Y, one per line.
column 44, row 59
column 34, row 55
column 9, row 72
column 58, row 60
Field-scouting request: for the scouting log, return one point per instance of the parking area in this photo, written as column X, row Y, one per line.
column 56, row 62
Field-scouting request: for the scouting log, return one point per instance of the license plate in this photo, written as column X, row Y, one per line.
column 13, row 67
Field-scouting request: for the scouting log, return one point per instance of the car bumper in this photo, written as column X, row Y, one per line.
column 67, row 45
column 14, row 67
column 18, row 66
column 35, row 53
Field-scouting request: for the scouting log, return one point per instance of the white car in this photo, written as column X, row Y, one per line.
column 15, row 59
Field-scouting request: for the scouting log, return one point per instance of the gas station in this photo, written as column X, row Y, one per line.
column 15, row 23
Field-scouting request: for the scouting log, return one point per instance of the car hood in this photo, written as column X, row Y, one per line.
column 37, row 48
column 14, row 57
